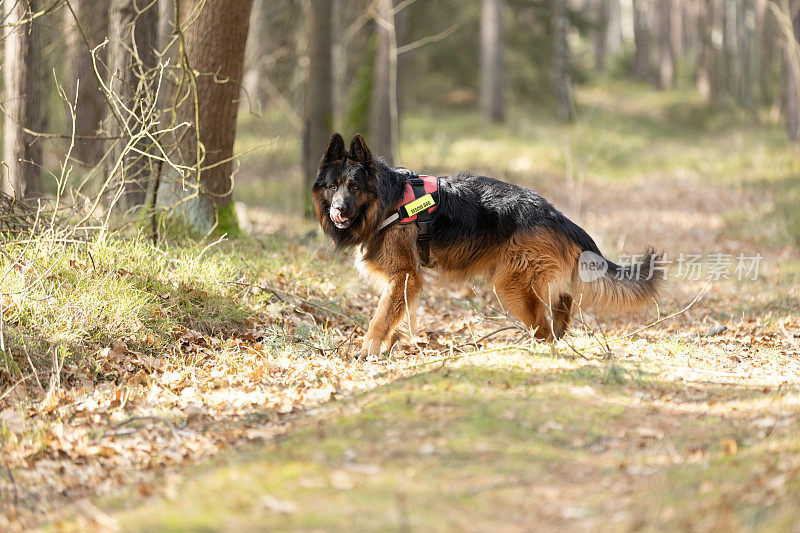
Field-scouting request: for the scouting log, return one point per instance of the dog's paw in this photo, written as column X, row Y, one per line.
column 370, row 348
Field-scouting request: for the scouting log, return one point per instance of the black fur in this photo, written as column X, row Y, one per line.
column 475, row 212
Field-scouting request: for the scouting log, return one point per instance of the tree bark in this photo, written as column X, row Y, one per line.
column 133, row 34
column 768, row 50
column 641, row 37
column 705, row 50
column 601, row 37
column 339, row 61
column 492, row 98
column 792, row 106
column 214, row 62
column 24, row 97
column 383, row 116
column 666, row 53
column 254, row 53
column 748, row 54
column 92, row 16
column 730, row 48
column 319, row 96
column 561, row 67
column 608, row 39
column 166, row 13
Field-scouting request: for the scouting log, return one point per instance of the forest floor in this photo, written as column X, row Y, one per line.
column 213, row 386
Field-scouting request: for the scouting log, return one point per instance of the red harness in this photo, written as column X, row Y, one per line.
column 408, row 212
column 421, row 197
column 430, row 184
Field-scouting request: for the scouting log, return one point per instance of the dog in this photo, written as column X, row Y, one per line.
column 537, row 260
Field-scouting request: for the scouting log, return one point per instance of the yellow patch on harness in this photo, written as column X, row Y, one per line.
column 420, row 204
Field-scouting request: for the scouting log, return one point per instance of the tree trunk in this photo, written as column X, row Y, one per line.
column 705, row 50
column 792, row 107
column 383, row 116
column 601, row 37
column 561, row 68
column 641, row 37
column 24, row 94
column 730, row 47
column 214, row 61
column 666, row 53
column 319, row 97
column 254, row 53
column 768, row 35
column 339, row 62
column 676, row 32
column 748, row 54
column 92, row 15
column 133, row 27
column 492, row 100
column 608, row 39
column 166, row 14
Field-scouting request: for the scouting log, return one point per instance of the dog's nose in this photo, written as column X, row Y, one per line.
column 336, row 215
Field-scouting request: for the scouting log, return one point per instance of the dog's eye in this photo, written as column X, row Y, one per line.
column 353, row 187
column 333, row 187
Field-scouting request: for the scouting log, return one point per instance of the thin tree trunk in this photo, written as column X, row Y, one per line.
column 492, row 99
column 319, row 97
column 561, row 68
column 608, row 39
column 666, row 53
column 676, row 32
column 705, row 50
column 749, row 54
column 642, row 38
column 133, row 33
column 601, row 37
column 339, row 62
column 92, row 16
column 214, row 63
column 792, row 107
column 767, row 34
column 23, row 73
column 614, row 40
column 730, row 47
column 254, row 63
column 166, row 14
column 383, row 117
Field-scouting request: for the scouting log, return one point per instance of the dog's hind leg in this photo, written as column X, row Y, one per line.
column 397, row 303
column 562, row 314
column 519, row 299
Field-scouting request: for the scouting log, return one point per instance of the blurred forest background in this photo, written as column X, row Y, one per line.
column 165, row 295
column 105, row 95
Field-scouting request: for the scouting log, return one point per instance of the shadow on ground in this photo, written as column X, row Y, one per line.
column 601, row 446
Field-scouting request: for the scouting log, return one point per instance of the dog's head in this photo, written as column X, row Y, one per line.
column 345, row 193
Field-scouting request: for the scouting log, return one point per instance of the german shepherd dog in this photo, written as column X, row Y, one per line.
column 507, row 235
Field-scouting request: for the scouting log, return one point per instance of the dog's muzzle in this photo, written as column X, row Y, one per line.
column 338, row 219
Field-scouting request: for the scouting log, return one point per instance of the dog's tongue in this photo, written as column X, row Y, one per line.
column 336, row 215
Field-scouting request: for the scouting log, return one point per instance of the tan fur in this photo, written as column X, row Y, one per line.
column 530, row 273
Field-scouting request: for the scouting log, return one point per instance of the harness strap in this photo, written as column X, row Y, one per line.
column 423, row 222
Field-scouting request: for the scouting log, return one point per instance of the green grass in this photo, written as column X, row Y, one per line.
column 475, row 448
column 78, row 298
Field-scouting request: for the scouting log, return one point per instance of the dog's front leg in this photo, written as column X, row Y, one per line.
column 398, row 302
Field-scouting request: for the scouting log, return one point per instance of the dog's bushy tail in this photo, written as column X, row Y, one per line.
column 608, row 287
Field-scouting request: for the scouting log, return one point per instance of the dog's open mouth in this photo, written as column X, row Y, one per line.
column 339, row 220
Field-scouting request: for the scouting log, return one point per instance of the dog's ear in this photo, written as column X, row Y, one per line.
column 359, row 150
column 335, row 150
